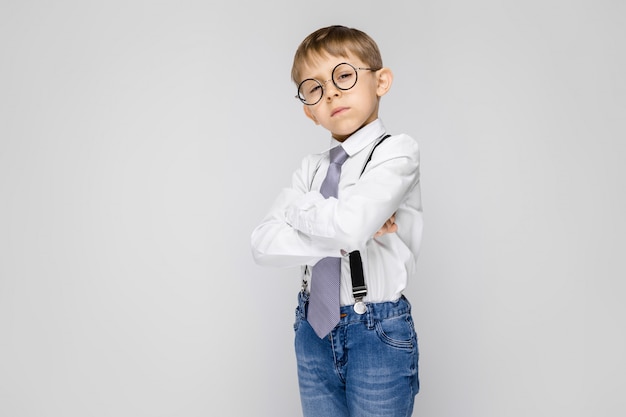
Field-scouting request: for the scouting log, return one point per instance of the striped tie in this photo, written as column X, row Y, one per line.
column 323, row 313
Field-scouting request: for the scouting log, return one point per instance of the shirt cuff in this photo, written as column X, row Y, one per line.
column 295, row 213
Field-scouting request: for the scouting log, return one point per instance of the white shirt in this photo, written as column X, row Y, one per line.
column 302, row 226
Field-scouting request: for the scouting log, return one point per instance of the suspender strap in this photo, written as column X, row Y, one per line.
column 369, row 158
column 359, row 289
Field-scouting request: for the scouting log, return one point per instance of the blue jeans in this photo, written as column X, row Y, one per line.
column 367, row 366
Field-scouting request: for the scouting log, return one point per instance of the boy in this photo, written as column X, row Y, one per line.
column 357, row 241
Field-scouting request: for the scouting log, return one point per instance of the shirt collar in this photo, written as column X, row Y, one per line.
column 362, row 137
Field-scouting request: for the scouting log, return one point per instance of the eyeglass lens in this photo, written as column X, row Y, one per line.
column 344, row 77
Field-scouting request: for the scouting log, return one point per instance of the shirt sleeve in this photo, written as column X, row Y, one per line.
column 363, row 207
column 275, row 242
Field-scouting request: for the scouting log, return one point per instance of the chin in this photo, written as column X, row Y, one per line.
column 344, row 133
column 342, row 136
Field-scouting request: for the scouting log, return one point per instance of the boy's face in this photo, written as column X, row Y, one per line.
column 343, row 112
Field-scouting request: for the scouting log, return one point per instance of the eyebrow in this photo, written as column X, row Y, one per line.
column 330, row 72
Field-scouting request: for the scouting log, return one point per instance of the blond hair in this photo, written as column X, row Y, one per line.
column 339, row 41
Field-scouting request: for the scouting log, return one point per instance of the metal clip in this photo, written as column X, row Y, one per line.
column 359, row 307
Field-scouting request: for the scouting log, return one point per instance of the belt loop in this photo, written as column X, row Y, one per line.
column 303, row 303
column 370, row 319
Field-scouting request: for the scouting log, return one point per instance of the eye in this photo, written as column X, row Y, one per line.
column 310, row 89
column 314, row 89
column 345, row 76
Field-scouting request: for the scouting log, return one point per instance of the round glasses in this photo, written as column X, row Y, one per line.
column 344, row 77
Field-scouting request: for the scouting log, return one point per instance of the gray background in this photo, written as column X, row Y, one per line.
column 141, row 142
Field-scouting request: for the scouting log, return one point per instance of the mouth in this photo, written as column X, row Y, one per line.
column 338, row 110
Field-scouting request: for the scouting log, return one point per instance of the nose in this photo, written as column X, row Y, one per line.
column 331, row 90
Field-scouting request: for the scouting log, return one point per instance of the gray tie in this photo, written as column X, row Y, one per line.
column 323, row 313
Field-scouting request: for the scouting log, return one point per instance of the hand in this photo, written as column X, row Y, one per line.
column 390, row 226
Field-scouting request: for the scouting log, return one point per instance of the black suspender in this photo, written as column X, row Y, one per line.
column 359, row 289
column 369, row 158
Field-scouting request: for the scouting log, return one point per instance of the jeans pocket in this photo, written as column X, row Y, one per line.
column 397, row 332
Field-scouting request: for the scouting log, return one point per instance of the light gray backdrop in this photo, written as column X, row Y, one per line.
column 141, row 142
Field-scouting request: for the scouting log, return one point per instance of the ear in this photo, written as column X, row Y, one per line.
column 309, row 114
column 384, row 81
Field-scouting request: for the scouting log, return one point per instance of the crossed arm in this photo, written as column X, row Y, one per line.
column 303, row 227
column 390, row 226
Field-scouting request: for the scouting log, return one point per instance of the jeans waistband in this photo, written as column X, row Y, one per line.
column 375, row 311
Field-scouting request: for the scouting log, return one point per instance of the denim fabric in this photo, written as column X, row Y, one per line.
column 367, row 366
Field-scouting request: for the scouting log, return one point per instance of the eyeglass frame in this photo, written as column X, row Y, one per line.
column 332, row 78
